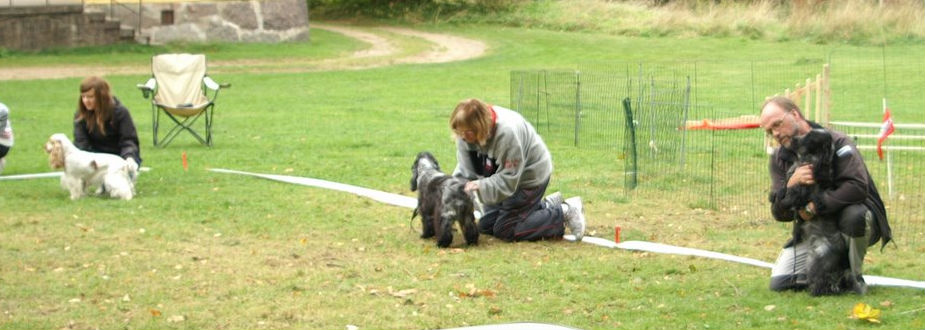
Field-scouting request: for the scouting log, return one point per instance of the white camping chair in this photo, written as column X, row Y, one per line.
column 180, row 89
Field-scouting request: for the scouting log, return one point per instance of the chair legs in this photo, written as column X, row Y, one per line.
column 183, row 124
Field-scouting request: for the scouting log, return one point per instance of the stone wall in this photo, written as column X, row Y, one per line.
column 35, row 28
column 224, row 21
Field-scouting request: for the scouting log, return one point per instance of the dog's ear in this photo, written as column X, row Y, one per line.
column 55, row 154
column 94, row 165
column 799, row 147
column 414, row 175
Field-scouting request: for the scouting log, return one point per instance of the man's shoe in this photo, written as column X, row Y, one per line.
column 574, row 218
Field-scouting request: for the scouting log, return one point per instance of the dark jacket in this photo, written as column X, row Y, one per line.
column 852, row 185
column 120, row 139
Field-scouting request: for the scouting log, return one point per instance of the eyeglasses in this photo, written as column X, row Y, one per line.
column 775, row 124
column 463, row 133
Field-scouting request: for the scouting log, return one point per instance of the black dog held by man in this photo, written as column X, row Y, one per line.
column 441, row 201
column 829, row 270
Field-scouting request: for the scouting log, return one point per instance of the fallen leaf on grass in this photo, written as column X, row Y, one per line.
column 83, row 227
column 402, row 293
column 769, row 308
column 886, row 303
column 473, row 292
column 155, row 312
column 862, row 311
column 176, row 318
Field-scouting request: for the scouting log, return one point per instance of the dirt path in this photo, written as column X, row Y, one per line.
column 445, row 48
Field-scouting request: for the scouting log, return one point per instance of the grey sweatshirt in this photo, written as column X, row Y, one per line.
column 514, row 156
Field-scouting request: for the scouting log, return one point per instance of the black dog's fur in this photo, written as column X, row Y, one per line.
column 441, row 200
column 828, row 268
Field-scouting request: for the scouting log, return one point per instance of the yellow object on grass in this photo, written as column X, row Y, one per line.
column 863, row 311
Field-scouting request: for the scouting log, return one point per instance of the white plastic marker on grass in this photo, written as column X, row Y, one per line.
column 411, row 202
column 515, row 326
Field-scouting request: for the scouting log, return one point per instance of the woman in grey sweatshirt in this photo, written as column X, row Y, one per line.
column 509, row 166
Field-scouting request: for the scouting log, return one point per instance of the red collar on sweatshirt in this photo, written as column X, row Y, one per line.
column 494, row 121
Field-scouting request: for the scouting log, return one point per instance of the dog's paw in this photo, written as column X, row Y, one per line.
column 445, row 241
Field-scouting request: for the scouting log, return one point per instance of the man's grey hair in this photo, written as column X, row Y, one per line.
column 785, row 103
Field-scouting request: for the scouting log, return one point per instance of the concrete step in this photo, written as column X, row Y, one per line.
column 127, row 34
column 95, row 17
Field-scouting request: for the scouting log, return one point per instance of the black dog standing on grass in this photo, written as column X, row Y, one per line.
column 441, row 201
column 829, row 270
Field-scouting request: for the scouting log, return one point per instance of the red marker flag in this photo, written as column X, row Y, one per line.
column 885, row 130
column 185, row 165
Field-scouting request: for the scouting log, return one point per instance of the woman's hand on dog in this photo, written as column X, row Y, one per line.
column 803, row 175
column 471, row 186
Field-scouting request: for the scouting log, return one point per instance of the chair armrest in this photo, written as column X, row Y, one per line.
column 211, row 84
column 147, row 88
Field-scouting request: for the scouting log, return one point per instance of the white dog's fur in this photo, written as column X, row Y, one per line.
column 83, row 170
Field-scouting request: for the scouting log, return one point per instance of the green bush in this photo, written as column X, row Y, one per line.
column 408, row 9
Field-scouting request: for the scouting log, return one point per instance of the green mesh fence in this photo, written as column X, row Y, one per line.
column 632, row 116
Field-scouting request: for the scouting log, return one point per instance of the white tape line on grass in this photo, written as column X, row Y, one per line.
column 46, row 175
column 411, row 202
column 384, row 197
column 31, row 176
column 670, row 249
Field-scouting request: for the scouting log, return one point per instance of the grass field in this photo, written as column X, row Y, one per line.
column 197, row 249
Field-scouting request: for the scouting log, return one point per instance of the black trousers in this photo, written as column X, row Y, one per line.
column 524, row 217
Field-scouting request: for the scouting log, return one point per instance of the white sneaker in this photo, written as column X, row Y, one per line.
column 574, row 218
column 554, row 199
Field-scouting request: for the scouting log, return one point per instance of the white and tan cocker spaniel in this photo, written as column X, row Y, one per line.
column 83, row 170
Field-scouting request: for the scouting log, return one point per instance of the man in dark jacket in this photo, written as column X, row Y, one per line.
column 853, row 199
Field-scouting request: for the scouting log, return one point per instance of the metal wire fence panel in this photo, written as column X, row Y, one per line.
column 859, row 87
column 722, row 169
column 548, row 99
column 898, row 175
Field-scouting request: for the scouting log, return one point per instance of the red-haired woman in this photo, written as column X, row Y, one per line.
column 509, row 167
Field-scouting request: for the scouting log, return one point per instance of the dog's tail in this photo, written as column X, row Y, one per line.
column 411, row 221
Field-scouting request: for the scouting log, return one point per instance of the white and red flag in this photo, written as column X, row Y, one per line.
column 885, row 130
